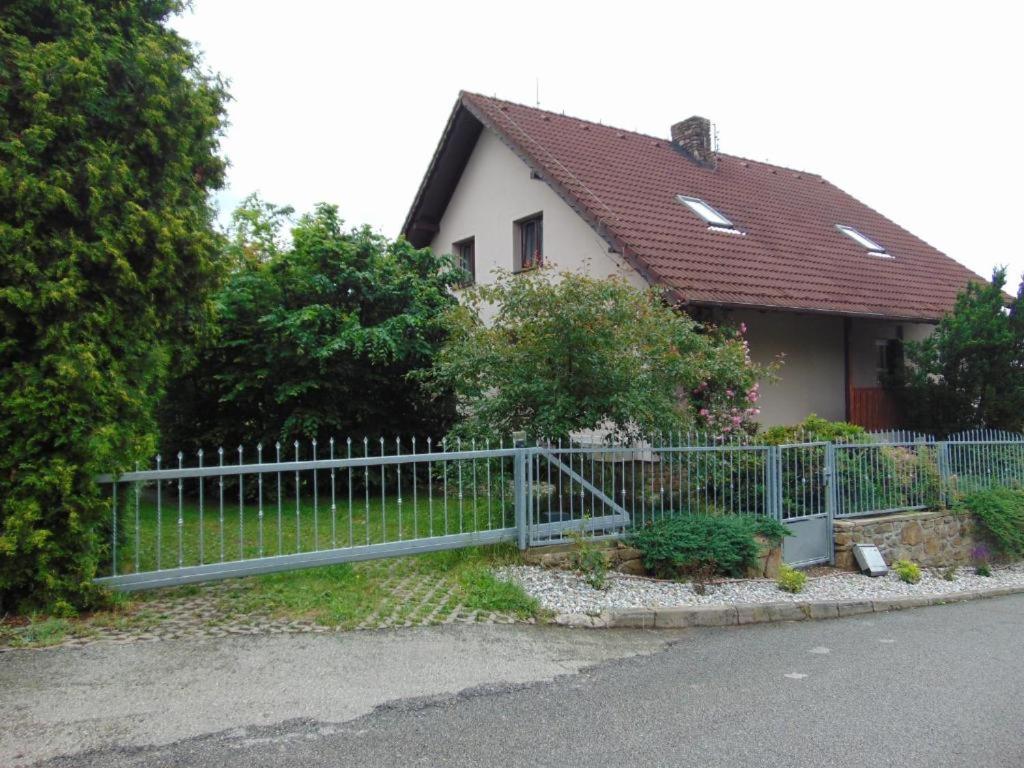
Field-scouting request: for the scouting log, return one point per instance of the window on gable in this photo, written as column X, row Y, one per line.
column 710, row 215
column 529, row 243
column 465, row 258
column 872, row 247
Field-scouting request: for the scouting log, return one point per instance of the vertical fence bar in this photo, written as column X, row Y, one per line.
column 316, row 505
column 383, row 500
column 366, row 488
column 415, row 482
column 398, row 478
column 942, row 458
column 334, row 504
column 298, row 522
column 831, row 491
column 458, row 474
column 444, row 481
column 159, row 516
column 430, row 491
column 774, row 481
column 113, row 529
column 241, row 510
column 181, row 513
column 280, row 501
column 220, row 486
column 259, row 481
column 519, row 484
column 138, row 519
column 351, row 525
column 202, row 524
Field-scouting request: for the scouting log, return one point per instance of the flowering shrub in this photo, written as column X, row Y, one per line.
column 726, row 399
column 566, row 353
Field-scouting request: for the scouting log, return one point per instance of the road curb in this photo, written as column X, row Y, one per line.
column 764, row 613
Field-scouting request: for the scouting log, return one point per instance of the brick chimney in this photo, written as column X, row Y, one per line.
column 693, row 137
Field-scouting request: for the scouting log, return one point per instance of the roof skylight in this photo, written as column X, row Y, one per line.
column 706, row 212
column 873, row 248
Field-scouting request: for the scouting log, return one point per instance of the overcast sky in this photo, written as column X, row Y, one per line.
column 914, row 108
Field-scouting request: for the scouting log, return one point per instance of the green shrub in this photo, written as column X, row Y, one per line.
column 814, row 429
column 983, row 569
column 589, row 559
column 1001, row 514
column 771, row 529
column 686, row 544
column 790, row 579
column 109, row 131
column 908, row 571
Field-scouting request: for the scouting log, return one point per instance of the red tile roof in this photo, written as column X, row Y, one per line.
column 791, row 256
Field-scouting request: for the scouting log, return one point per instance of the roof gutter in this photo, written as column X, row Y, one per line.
column 815, row 311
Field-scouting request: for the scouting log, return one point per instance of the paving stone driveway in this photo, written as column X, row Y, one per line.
column 412, row 600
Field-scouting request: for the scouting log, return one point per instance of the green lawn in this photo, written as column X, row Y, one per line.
column 150, row 537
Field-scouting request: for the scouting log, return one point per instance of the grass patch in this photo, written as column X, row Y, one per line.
column 336, row 595
column 346, row 595
column 486, row 592
column 35, row 632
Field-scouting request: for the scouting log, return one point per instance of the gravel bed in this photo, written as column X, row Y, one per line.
column 566, row 593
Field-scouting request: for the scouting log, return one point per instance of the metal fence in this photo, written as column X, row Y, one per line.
column 263, row 511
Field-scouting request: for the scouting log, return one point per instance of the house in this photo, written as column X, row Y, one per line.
column 814, row 274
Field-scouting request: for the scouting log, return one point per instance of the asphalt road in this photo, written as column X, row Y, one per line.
column 939, row 686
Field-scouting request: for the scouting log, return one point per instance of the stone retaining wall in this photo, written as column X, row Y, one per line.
column 625, row 559
column 931, row 538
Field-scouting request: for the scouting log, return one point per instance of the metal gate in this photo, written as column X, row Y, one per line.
column 806, row 497
column 576, row 489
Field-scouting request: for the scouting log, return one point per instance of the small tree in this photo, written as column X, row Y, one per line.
column 314, row 338
column 577, row 353
column 970, row 372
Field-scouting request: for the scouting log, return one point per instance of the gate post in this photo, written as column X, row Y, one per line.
column 831, row 497
column 773, row 482
column 942, row 459
column 519, row 484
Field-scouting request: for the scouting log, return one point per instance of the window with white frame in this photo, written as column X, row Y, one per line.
column 464, row 252
column 529, row 242
column 713, row 217
column 873, row 248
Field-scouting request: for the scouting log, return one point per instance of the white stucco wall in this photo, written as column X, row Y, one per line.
column 812, row 376
column 864, row 333
column 495, row 191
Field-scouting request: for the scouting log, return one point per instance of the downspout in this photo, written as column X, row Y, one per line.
column 847, row 388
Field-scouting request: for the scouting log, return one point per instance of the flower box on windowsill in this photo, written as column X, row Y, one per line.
column 528, row 266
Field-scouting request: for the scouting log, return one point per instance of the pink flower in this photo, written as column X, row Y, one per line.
column 729, row 393
column 736, row 420
column 703, row 411
column 743, row 327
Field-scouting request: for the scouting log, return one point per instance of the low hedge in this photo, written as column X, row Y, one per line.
column 686, row 544
column 1000, row 511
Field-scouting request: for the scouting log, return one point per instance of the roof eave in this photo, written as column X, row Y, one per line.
column 796, row 309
